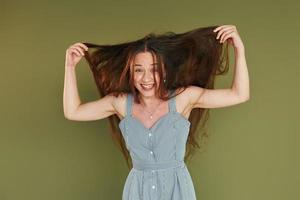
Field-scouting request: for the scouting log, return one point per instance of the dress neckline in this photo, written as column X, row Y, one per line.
column 155, row 124
column 172, row 110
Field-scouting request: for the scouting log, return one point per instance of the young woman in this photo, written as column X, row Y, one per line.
column 156, row 92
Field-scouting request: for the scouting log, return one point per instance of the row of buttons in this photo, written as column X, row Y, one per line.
column 151, row 152
column 150, row 134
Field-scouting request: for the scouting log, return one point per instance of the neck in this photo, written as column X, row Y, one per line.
column 150, row 102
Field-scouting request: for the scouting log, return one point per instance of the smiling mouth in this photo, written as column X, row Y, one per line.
column 147, row 86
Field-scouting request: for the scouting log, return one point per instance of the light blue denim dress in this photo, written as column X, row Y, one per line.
column 159, row 171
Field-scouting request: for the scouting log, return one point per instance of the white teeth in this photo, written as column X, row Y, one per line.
column 147, row 86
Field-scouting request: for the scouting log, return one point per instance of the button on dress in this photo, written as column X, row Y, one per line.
column 157, row 153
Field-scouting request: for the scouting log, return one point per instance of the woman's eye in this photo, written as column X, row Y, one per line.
column 139, row 70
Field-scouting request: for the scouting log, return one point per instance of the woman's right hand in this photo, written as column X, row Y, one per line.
column 74, row 53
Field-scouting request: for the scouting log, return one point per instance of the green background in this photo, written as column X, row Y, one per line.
column 253, row 149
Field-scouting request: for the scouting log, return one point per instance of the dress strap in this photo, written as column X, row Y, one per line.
column 128, row 104
column 172, row 102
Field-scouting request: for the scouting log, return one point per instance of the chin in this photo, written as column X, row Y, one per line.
column 147, row 92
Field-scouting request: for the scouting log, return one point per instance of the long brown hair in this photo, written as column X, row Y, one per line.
column 191, row 58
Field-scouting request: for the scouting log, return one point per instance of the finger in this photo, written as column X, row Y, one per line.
column 217, row 29
column 76, row 51
column 225, row 34
column 80, row 49
column 220, row 27
column 222, row 31
column 83, row 46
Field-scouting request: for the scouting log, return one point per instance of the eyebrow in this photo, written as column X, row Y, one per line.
column 141, row 65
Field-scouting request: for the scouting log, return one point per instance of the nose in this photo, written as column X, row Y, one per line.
column 148, row 76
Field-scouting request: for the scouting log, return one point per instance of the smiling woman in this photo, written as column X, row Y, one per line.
column 150, row 67
column 156, row 92
column 146, row 74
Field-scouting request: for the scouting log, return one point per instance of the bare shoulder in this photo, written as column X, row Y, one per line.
column 183, row 101
column 192, row 93
column 120, row 105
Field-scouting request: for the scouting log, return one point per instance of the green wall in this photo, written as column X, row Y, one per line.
column 253, row 150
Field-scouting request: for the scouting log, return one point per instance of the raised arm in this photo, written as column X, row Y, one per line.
column 239, row 91
column 72, row 106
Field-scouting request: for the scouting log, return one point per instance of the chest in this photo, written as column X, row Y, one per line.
column 144, row 116
column 182, row 106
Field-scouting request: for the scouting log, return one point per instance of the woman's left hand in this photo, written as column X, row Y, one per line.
column 229, row 33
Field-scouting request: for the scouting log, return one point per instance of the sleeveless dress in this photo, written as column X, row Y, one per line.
column 157, row 153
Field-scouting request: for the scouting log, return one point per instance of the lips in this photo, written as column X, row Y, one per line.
column 147, row 86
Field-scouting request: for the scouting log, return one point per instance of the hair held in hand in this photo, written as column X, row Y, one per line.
column 194, row 58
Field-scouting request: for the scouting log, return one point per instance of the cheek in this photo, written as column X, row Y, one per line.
column 137, row 77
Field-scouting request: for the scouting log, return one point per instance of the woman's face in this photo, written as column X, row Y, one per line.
column 143, row 67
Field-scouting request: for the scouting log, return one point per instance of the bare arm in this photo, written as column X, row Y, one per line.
column 71, row 99
column 238, row 93
column 72, row 105
column 240, row 85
